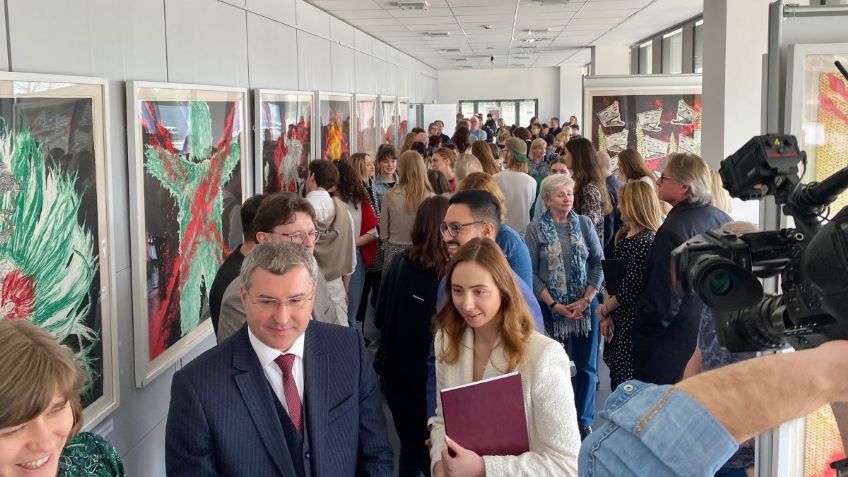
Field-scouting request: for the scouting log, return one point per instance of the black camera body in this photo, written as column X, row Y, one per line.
column 811, row 260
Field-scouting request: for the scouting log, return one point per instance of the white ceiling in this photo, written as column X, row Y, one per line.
column 563, row 33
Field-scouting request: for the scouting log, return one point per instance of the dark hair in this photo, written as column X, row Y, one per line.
column 326, row 174
column 386, row 151
column 435, row 141
column 586, row 169
column 460, row 138
column 450, row 146
column 438, row 182
column 522, row 133
column 428, row 249
column 248, row 212
column 278, row 209
column 417, row 130
column 419, row 147
column 349, row 189
column 483, row 204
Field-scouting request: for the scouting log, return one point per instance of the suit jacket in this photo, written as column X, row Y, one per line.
column 665, row 331
column 223, row 419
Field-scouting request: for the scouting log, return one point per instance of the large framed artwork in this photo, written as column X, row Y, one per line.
column 366, row 124
column 283, row 139
column 56, row 264
column 188, row 173
column 388, row 120
column 816, row 112
column 334, row 114
column 403, row 117
column 654, row 114
column 817, row 109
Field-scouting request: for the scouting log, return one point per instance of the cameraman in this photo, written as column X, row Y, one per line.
column 692, row 428
column 666, row 326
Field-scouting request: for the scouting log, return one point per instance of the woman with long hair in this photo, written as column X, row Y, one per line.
column 467, row 164
column 351, row 191
column 444, row 161
column 640, row 213
column 632, row 167
column 41, row 415
column 407, row 141
column 591, row 197
column 461, row 139
column 720, row 197
column 439, row 183
column 404, row 314
column 565, row 254
column 363, row 170
column 400, row 204
column 482, row 151
column 485, row 330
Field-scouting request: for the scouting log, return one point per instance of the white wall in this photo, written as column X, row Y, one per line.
column 284, row 44
column 513, row 83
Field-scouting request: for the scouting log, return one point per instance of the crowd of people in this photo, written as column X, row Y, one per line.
column 480, row 254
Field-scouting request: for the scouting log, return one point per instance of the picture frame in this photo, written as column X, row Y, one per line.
column 61, row 277
column 174, row 248
column 283, row 137
column 388, row 120
column 365, row 120
column 334, row 134
column 654, row 114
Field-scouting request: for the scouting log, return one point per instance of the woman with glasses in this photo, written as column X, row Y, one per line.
column 401, row 203
column 483, row 331
column 403, row 314
column 565, row 254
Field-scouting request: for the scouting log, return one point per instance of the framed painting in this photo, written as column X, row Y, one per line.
column 817, row 109
column 366, row 124
column 388, row 120
column 283, row 121
column 56, row 263
column 188, row 171
column 334, row 114
column 403, row 117
column 653, row 114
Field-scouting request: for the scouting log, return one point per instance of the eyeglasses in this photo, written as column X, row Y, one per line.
column 664, row 177
column 299, row 237
column 454, row 229
column 271, row 305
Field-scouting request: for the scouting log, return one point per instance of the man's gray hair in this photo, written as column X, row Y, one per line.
column 278, row 258
column 552, row 183
column 692, row 171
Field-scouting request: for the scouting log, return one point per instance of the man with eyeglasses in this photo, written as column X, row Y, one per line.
column 284, row 395
column 665, row 330
column 282, row 217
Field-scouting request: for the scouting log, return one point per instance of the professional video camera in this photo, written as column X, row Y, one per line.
column 811, row 259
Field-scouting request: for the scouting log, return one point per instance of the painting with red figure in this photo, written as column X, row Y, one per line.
column 285, row 140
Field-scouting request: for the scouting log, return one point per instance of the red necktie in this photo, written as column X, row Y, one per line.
column 285, row 362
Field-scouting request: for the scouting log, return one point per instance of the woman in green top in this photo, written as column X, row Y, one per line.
column 41, row 414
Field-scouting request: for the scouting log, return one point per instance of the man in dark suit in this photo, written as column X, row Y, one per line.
column 285, row 395
column 665, row 331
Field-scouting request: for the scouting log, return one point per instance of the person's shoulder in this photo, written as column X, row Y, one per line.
column 333, row 336
column 542, row 350
column 216, row 358
column 507, row 234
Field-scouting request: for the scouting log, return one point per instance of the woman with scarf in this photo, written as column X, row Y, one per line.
column 565, row 254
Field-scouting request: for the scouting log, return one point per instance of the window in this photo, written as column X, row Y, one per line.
column 466, row 108
column 698, row 47
column 646, row 57
column 526, row 111
column 513, row 111
column 672, row 52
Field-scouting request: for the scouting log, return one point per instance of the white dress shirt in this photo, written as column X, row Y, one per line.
column 273, row 373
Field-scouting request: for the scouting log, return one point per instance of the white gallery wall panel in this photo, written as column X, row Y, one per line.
column 271, row 53
column 342, row 68
column 362, row 41
column 313, row 62
column 341, row 32
column 279, row 10
column 364, row 69
column 211, row 45
column 312, row 20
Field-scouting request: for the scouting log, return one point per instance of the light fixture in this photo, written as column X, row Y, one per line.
column 548, row 3
column 530, row 31
column 451, row 50
column 413, row 5
column 459, row 60
column 437, row 33
column 487, row 27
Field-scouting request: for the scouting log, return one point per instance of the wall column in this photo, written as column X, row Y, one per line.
column 610, row 60
column 570, row 93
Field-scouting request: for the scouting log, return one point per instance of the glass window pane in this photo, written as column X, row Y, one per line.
column 526, row 111
column 699, row 47
column 645, row 58
column 672, row 53
column 466, row 108
column 508, row 112
column 483, row 107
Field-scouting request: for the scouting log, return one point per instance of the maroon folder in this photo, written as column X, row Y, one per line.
column 487, row 416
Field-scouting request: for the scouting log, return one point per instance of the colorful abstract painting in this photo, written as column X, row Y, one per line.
column 335, row 126
column 55, row 267
column 654, row 124
column 833, row 120
column 284, row 139
column 388, row 120
column 366, row 124
column 189, row 156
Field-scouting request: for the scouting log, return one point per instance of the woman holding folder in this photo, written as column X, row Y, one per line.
column 484, row 332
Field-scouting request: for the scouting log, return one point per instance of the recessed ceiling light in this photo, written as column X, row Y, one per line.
column 459, row 59
column 451, row 50
column 547, row 3
column 487, row 27
column 437, row 33
column 531, row 40
column 490, row 47
column 530, row 31
column 413, row 5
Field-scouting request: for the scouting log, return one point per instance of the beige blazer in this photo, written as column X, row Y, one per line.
column 548, row 404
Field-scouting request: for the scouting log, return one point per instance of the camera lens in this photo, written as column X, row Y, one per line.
column 721, row 283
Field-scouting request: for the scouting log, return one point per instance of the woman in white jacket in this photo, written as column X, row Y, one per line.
column 483, row 332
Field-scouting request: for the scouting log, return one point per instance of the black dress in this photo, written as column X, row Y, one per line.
column 618, row 353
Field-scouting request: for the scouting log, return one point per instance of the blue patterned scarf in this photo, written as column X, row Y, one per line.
column 566, row 285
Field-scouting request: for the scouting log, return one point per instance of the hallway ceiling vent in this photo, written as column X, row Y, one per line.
column 420, row 5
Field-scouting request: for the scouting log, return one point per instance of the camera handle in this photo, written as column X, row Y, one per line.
column 840, row 411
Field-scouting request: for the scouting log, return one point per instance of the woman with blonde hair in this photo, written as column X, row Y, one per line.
column 407, row 141
column 401, row 203
column 465, row 165
column 363, row 171
column 41, row 414
column 482, row 151
column 721, row 198
column 640, row 213
column 485, row 331
column 444, row 161
column 518, row 187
